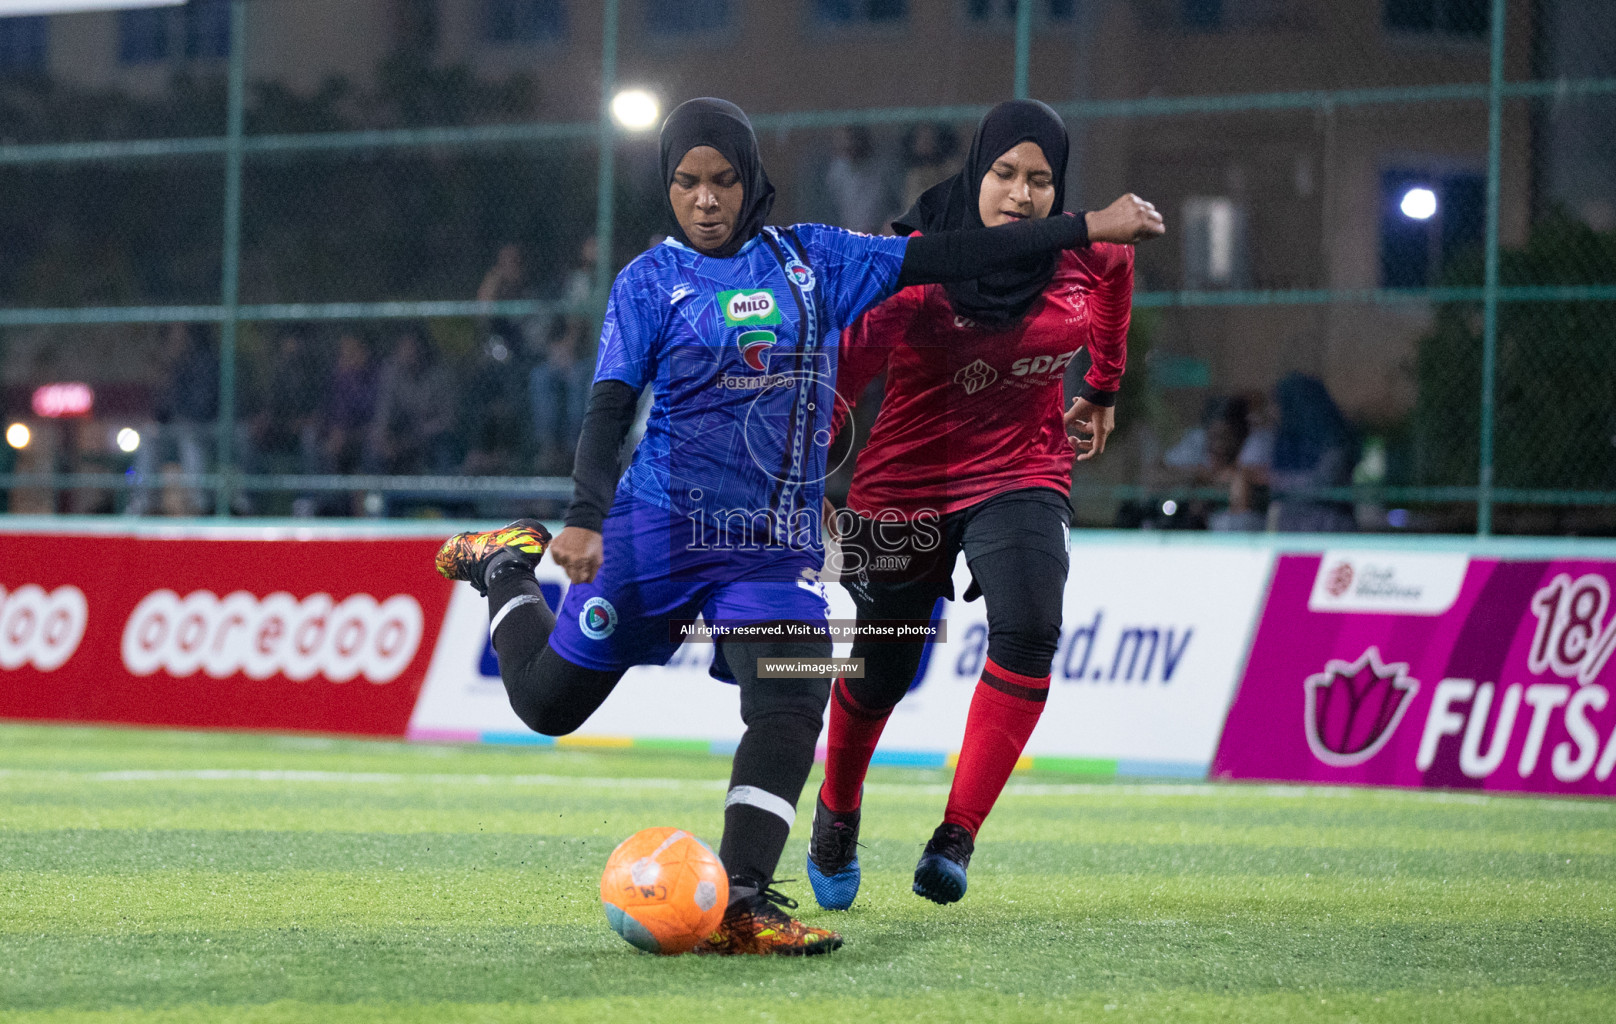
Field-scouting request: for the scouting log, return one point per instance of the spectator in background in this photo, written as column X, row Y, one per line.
column 185, row 411
column 413, row 428
column 1314, row 447
column 857, row 183
column 284, row 433
column 349, row 406
column 558, row 384
column 492, row 425
column 509, row 278
column 930, row 152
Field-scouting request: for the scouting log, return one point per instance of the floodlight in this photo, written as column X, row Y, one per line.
column 1418, row 204
column 635, row 109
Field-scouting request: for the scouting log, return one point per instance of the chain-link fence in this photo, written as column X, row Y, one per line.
column 290, row 257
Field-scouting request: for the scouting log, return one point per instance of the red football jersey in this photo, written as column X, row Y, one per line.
column 970, row 413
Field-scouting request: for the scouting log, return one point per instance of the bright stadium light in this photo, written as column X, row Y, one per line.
column 1418, row 204
column 128, row 439
column 18, row 435
column 635, row 109
column 12, row 7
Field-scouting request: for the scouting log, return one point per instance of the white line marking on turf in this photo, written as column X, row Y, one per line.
column 1202, row 790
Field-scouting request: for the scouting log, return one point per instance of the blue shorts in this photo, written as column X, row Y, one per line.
column 651, row 576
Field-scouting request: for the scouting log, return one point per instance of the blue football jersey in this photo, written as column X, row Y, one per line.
column 740, row 354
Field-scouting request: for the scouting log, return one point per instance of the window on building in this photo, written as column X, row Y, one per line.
column 143, row 35
column 1439, row 17
column 207, row 29
column 1215, row 253
column 524, row 21
column 848, row 12
column 672, row 19
column 1005, row 10
column 1201, row 15
column 24, row 43
column 200, row 30
column 1428, row 220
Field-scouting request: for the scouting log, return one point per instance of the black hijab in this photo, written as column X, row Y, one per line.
column 723, row 126
column 1001, row 298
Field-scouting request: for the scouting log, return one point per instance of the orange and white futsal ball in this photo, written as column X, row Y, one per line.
column 664, row 890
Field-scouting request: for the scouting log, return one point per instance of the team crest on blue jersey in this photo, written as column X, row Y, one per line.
column 598, row 618
column 800, row 273
column 754, row 346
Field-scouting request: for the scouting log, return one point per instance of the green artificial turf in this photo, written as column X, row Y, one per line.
column 157, row 877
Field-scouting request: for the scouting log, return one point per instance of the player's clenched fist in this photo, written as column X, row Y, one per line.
column 1126, row 221
column 578, row 552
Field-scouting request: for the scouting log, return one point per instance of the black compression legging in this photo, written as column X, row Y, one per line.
column 1015, row 544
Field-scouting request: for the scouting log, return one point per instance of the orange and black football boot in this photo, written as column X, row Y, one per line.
column 465, row 556
column 758, row 926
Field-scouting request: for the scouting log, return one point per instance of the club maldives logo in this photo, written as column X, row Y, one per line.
column 753, row 345
column 1339, row 579
column 749, row 308
column 1353, row 708
column 1388, row 582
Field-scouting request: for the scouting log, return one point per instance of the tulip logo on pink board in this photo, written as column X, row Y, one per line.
column 1353, row 708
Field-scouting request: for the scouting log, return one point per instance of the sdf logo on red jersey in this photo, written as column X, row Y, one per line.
column 976, row 376
column 1353, row 708
column 1034, row 365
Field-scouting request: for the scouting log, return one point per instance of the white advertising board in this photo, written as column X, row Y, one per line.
column 1150, row 652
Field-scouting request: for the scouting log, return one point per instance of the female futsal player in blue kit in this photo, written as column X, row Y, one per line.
column 736, row 328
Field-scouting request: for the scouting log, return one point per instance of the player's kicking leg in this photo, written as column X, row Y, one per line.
column 776, row 753
column 551, row 694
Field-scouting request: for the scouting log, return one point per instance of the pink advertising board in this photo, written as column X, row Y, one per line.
column 1430, row 670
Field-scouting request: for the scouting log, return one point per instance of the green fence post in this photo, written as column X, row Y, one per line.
column 229, row 287
column 1023, row 45
column 1489, row 314
column 605, row 202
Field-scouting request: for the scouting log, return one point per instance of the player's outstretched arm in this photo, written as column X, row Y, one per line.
column 577, row 549
column 969, row 253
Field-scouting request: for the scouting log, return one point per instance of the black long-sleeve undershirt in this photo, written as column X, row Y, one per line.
column 612, row 404
column 971, row 252
column 927, row 259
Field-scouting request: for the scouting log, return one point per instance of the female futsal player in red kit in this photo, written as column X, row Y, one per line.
column 972, row 453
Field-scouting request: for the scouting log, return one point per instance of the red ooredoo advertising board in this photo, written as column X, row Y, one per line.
column 1425, row 669
column 319, row 635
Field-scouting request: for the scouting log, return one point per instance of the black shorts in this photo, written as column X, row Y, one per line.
column 898, row 568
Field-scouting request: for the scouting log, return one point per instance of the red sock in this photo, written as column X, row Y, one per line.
column 1004, row 710
column 854, row 731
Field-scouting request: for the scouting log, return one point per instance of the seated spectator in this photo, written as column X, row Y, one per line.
column 493, row 426
column 186, row 410
column 284, row 432
column 412, row 430
column 1314, row 447
column 558, row 384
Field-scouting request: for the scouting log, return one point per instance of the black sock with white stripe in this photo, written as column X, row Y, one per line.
column 520, row 621
column 783, row 718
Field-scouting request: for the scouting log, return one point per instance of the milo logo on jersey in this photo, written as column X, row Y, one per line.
column 743, row 308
